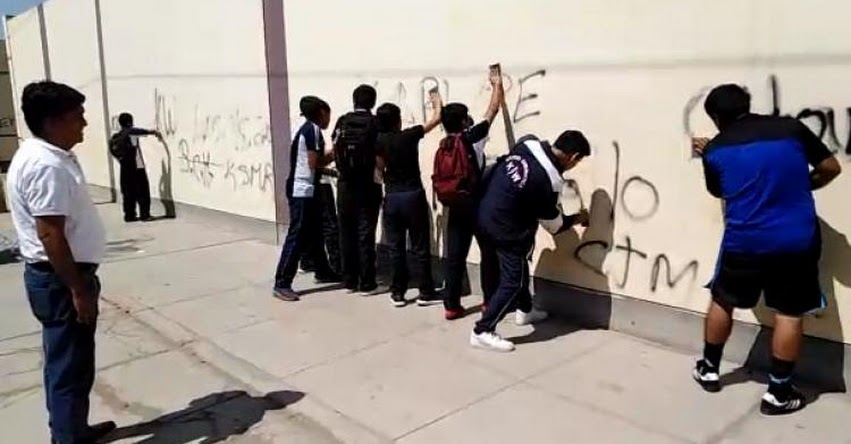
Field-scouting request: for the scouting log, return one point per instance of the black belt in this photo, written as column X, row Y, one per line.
column 46, row 267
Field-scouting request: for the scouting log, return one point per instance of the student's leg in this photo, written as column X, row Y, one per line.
column 128, row 193
column 420, row 233
column 293, row 247
column 368, row 225
column 143, row 190
column 394, row 224
column 347, row 210
column 513, row 277
column 489, row 269
column 313, row 240
column 331, row 227
column 459, row 237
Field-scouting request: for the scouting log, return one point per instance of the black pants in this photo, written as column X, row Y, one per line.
column 460, row 230
column 406, row 215
column 505, row 281
column 135, row 190
column 305, row 216
column 358, row 205
column 330, row 231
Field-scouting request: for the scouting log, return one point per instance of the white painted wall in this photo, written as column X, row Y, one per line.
column 619, row 70
column 196, row 70
column 23, row 37
column 8, row 130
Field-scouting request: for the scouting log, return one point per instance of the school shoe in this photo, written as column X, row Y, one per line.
column 368, row 289
column 429, row 299
column 782, row 404
column 452, row 314
column 285, row 294
column 97, row 431
column 490, row 341
column 398, row 300
column 328, row 278
column 707, row 376
column 534, row 316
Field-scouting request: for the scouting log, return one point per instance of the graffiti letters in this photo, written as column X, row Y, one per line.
column 521, row 111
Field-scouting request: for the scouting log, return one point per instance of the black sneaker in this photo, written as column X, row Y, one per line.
column 328, row 278
column 100, row 430
column 285, row 294
column 427, row 299
column 398, row 300
column 707, row 376
column 776, row 404
column 368, row 289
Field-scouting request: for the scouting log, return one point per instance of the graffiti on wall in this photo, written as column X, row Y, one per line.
column 211, row 148
column 638, row 199
column 823, row 120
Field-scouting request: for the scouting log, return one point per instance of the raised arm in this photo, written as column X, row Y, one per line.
column 497, row 95
column 434, row 121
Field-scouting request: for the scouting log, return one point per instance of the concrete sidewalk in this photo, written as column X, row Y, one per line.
column 193, row 348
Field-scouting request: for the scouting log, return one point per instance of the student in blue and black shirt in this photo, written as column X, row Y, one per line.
column 307, row 156
column 765, row 168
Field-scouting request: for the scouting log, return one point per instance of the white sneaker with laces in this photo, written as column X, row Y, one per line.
column 534, row 316
column 490, row 341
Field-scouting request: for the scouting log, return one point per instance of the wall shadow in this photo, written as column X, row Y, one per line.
column 211, row 419
column 166, row 183
column 822, row 363
column 589, row 302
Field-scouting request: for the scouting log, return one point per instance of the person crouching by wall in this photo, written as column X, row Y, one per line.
column 307, row 156
column 521, row 192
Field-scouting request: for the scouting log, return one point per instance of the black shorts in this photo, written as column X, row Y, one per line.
column 789, row 281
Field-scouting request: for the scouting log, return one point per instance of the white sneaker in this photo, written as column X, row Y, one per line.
column 490, row 341
column 534, row 316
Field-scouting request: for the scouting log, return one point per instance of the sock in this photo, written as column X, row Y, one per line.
column 712, row 354
column 780, row 377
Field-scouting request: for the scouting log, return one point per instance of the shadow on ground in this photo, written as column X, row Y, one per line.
column 211, row 419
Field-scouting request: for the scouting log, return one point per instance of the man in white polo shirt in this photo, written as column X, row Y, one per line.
column 62, row 241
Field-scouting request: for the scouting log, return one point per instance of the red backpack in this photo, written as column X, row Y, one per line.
column 455, row 171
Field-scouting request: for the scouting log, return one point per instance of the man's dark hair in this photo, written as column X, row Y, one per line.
column 726, row 103
column 311, row 108
column 125, row 120
column 389, row 117
column 454, row 116
column 364, row 97
column 572, row 141
column 45, row 100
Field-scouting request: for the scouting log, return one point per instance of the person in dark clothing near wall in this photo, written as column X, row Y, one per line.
column 307, row 156
column 405, row 205
column 521, row 193
column 135, row 189
column 461, row 223
column 761, row 167
column 330, row 245
column 359, row 190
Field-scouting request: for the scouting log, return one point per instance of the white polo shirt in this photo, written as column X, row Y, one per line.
column 44, row 180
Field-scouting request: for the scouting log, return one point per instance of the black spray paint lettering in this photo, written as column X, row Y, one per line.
column 198, row 165
column 823, row 117
column 259, row 175
column 670, row 279
column 427, row 84
column 521, row 112
column 7, row 122
column 164, row 116
column 637, row 213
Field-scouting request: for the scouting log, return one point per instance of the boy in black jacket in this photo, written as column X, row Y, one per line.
column 522, row 193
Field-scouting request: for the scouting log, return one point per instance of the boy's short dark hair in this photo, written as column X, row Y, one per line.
column 125, row 120
column 726, row 103
column 454, row 117
column 311, row 108
column 572, row 141
column 389, row 117
column 45, row 100
column 364, row 97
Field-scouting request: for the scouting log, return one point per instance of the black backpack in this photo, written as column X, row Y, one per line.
column 354, row 146
column 120, row 146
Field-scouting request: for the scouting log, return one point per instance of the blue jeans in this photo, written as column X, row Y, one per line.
column 69, row 351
